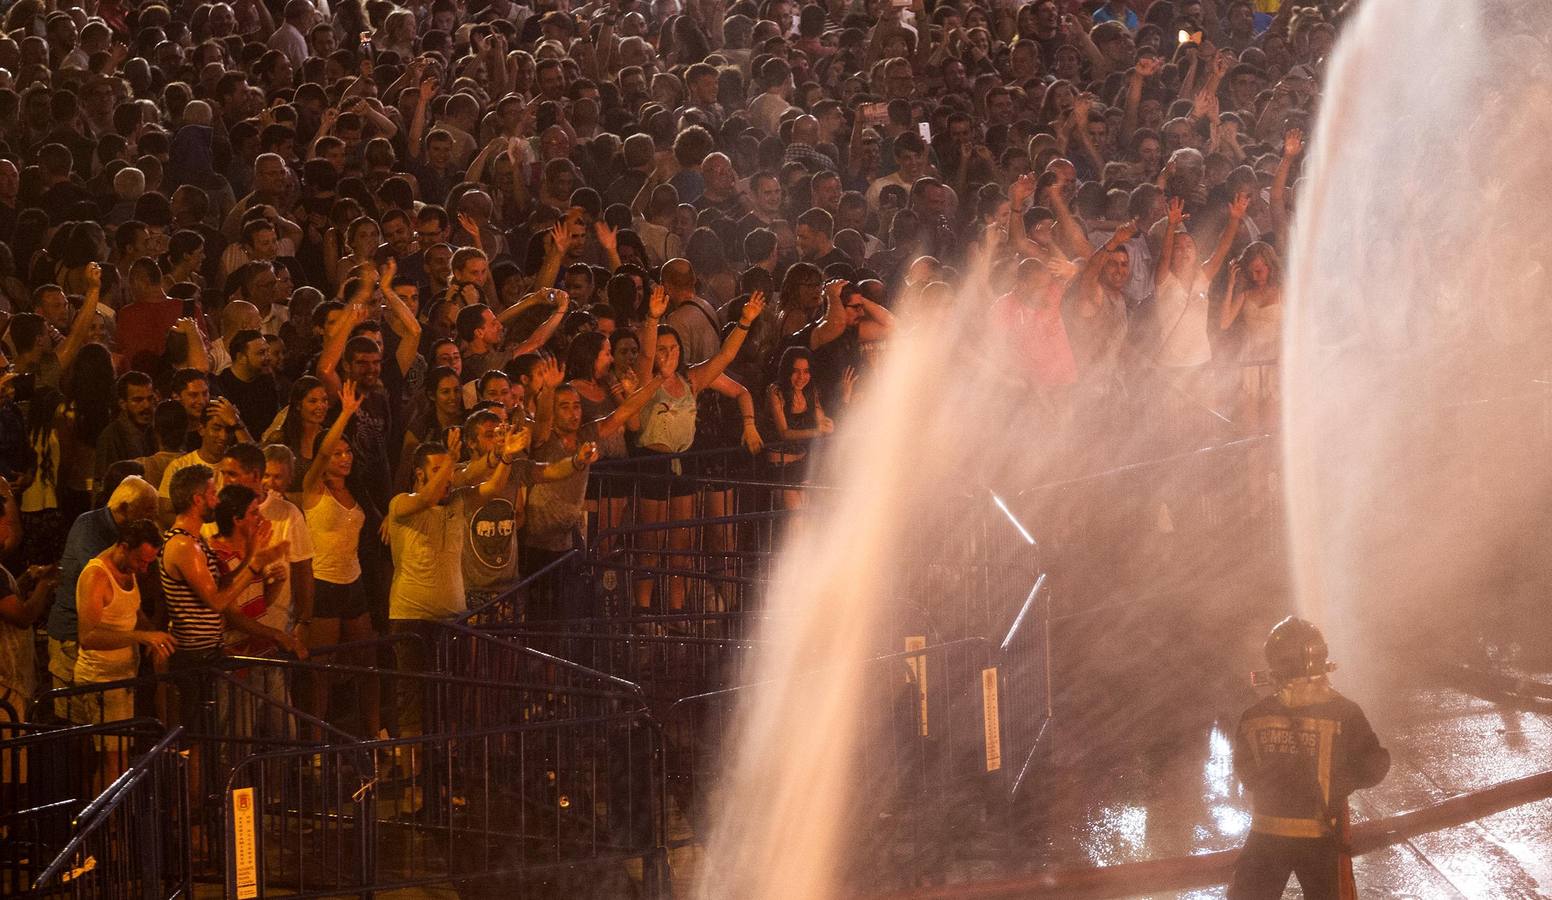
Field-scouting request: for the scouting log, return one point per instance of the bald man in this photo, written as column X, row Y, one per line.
column 801, row 149
column 236, row 315
column 695, row 320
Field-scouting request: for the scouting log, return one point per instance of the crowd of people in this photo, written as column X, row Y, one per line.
column 318, row 313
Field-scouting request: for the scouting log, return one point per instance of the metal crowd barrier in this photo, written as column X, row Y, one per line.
column 931, row 763
column 252, row 706
column 566, row 807
column 132, row 841
column 50, row 776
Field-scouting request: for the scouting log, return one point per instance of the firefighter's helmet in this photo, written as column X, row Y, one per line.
column 1296, row 649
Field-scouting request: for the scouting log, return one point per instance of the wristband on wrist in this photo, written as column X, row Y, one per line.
column 741, row 326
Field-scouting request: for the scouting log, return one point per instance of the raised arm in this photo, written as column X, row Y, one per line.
column 702, row 374
column 312, row 482
column 541, row 335
column 1177, row 216
column 428, row 89
column 560, row 240
column 400, row 319
column 1233, row 301
column 877, row 323
column 546, row 378
column 657, row 304
column 609, row 240
column 517, row 154
column 615, row 422
column 334, row 342
column 1068, row 232
column 82, row 325
column 476, row 170
column 434, row 491
column 1293, row 145
column 1237, row 209
column 1088, row 281
column 833, row 323
column 1147, row 67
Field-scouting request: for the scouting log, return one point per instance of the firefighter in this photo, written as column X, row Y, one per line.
column 1300, row 753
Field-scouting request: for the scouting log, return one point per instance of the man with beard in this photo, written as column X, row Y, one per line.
column 128, row 436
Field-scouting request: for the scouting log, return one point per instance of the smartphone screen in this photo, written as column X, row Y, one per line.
column 925, row 130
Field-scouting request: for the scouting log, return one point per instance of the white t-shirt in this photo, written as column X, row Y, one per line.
column 286, row 524
column 1182, row 322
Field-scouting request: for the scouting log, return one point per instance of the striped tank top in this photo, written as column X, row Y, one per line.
column 195, row 626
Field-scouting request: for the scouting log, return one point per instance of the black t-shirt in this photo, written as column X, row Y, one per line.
column 257, row 401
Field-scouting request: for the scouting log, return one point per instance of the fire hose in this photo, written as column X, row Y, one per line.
column 1209, row 869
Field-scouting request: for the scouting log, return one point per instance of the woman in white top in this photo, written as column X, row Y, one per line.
column 1255, row 293
column 112, row 631
column 334, row 520
column 1182, row 281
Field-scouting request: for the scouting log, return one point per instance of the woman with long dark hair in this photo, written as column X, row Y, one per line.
column 300, row 423
column 590, row 370
column 341, row 610
column 796, row 416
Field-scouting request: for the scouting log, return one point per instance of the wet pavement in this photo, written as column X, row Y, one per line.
column 1148, row 800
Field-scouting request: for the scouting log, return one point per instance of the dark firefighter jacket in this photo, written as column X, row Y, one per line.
column 1300, row 752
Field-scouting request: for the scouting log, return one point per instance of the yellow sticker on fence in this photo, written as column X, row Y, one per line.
column 992, row 723
column 918, row 666
column 245, row 860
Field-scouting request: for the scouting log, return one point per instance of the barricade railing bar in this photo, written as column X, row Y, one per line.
column 554, row 808
column 48, row 776
column 132, row 840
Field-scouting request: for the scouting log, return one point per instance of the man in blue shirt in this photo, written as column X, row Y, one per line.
column 93, row 532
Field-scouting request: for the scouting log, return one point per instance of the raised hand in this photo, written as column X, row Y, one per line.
column 752, row 308
column 389, row 270
column 93, row 276
column 657, row 303
column 1222, row 63
column 1149, row 66
column 469, row 225
column 560, row 236
column 1177, row 211
column 551, row 373
column 350, row 399
column 608, row 238
column 1125, row 232
column 1081, row 105
column 1293, row 142
column 1022, row 189
column 1061, row 269
column 1233, row 271
column 454, row 440
column 428, row 89
column 849, row 379
column 1239, row 205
